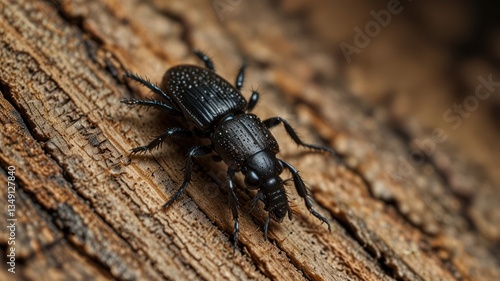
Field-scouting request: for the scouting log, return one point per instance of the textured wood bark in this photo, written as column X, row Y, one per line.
column 86, row 211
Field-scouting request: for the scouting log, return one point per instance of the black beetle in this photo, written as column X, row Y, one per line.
column 212, row 108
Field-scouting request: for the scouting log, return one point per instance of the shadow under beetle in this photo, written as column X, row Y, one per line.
column 212, row 108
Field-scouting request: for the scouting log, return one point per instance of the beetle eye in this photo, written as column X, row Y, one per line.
column 252, row 180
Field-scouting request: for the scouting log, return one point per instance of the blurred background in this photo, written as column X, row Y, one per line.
column 430, row 66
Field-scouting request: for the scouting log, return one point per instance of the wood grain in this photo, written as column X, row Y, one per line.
column 87, row 211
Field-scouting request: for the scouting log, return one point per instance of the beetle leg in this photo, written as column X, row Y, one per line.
column 153, row 87
column 302, row 191
column 266, row 225
column 255, row 200
column 241, row 76
column 254, row 98
column 152, row 103
column 274, row 121
column 196, row 151
column 233, row 202
column 206, row 59
column 173, row 133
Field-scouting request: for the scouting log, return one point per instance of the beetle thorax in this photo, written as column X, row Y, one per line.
column 241, row 137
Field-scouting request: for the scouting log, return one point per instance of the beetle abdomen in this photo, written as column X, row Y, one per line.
column 203, row 96
column 241, row 137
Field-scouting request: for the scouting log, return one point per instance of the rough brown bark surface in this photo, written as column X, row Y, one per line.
column 86, row 211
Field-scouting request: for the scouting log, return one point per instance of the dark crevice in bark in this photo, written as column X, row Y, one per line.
column 374, row 247
column 50, row 217
column 67, row 229
column 21, row 117
column 93, row 44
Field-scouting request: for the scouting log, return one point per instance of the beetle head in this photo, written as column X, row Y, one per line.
column 262, row 171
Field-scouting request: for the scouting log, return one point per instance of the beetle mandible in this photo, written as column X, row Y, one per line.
column 212, row 108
